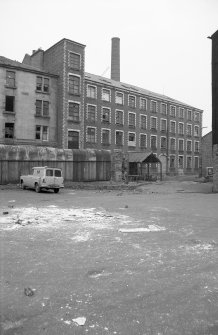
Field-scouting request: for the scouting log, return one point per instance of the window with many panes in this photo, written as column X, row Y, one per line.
column 9, row 103
column 42, row 84
column 10, row 78
column 73, row 111
column 119, row 137
column 153, row 123
column 181, row 144
column 196, row 162
column 181, row 162
column 143, row 103
column 173, row 111
column 132, row 120
column 163, row 125
column 188, row 162
column 106, row 94
column 197, row 116
column 143, row 121
column 181, row 113
column 132, row 101
column 153, row 106
column 132, row 139
column 105, row 115
column 189, row 115
column 189, row 129
column 91, row 135
column 105, row 136
column 153, row 142
column 189, row 145
column 73, row 139
column 196, row 146
column 91, row 91
column 74, row 60
column 119, row 117
column 42, row 108
column 74, row 84
column 119, row 98
column 143, row 140
column 196, row 131
column 41, row 133
column 181, row 128
column 164, row 109
column 172, row 143
column 173, row 127
column 163, row 142
column 9, row 130
column 172, row 161
column 91, row 113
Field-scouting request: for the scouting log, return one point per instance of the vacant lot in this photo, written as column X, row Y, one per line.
column 141, row 262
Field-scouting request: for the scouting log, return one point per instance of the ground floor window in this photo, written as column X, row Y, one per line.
column 41, row 133
column 172, row 162
column 196, row 162
column 9, row 130
column 119, row 137
column 105, row 136
column 91, row 135
column 73, row 139
column 181, row 159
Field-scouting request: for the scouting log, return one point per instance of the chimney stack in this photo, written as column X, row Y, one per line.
column 115, row 58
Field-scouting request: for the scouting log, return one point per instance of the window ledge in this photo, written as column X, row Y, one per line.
column 12, row 87
column 42, row 116
column 42, row 92
column 75, row 94
column 72, row 120
column 9, row 113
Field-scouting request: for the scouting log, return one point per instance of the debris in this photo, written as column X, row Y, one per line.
column 80, row 321
column 29, row 292
column 5, row 213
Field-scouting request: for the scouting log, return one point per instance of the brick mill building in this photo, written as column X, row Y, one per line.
column 49, row 100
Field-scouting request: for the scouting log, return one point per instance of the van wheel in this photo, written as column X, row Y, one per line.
column 56, row 190
column 37, row 188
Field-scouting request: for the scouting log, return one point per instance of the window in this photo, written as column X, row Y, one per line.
column 73, row 139
column 163, row 125
column 91, row 135
column 181, row 162
column 196, row 131
column 143, row 140
column 153, row 142
column 189, row 115
column 105, row 136
column 9, row 103
column 197, row 116
column 181, row 112
column 189, row 162
column 42, row 108
column 119, row 117
column 132, row 101
column 119, row 98
column 74, row 60
column 173, row 127
column 143, row 103
column 153, row 106
column 164, row 109
column 132, row 119
column 49, row 173
column 173, row 111
column 42, row 84
column 74, row 84
column 119, row 138
column 189, row 129
column 196, row 162
column 73, row 111
column 105, row 115
column 196, row 146
column 153, row 123
column 181, row 128
column 132, row 139
column 106, row 94
column 10, row 78
column 91, row 113
column 41, row 133
column 9, row 130
column 172, row 162
column 172, row 143
column 143, row 121
column 189, row 145
column 91, row 91
column 181, row 144
column 163, row 142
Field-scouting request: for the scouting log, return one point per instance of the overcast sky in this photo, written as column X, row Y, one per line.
column 163, row 43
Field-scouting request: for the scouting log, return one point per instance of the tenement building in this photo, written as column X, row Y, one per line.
column 50, row 100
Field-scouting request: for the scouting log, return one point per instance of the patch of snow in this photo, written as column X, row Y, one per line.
column 151, row 228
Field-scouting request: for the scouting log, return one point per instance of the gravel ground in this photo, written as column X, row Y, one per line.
column 136, row 261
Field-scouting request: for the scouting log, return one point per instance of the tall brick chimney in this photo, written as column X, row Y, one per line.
column 115, row 58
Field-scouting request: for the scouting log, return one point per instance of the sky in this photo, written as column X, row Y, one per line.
column 163, row 43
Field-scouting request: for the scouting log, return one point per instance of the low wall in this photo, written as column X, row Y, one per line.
column 77, row 165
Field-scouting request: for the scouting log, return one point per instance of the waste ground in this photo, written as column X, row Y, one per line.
column 142, row 261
